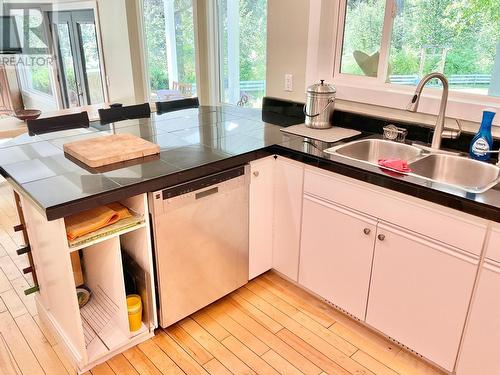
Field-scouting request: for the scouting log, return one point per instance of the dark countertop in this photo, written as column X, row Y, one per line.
column 193, row 143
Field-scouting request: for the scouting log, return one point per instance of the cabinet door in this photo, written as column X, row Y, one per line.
column 336, row 254
column 261, row 216
column 287, row 216
column 420, row 292
column 482, row 337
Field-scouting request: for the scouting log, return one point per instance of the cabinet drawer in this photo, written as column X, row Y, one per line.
column 449, row 226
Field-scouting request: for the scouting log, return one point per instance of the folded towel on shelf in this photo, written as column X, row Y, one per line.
column 395, row 165
column 96, row 218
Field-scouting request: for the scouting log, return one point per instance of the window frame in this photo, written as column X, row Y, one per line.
column 374, row 90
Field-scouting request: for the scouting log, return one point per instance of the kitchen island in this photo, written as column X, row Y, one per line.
column 300, row 183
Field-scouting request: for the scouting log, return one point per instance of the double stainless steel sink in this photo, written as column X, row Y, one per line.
column 441, row 167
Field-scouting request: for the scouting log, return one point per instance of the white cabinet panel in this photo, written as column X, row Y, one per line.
column 482, row 338
column 261, row 216
column 493, row 246
column 336, row 254
column 420, row 292
column 287, row 216
column 450, row 226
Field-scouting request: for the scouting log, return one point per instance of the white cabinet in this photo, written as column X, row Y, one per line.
column 99, row 330
column 420, row 292
column 479, row 354
column 261, row 216
column 288, row 187
column 336, row 254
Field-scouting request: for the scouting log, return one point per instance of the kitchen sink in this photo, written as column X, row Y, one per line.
column 371, row 150
column 457, row 171
column 437, row 166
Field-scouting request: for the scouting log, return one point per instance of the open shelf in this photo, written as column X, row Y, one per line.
column 120, row 227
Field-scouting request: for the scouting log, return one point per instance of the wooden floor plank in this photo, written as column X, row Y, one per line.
column 211, row 325
column 237, row 330
column 102, row 369
column 20, row 285
column 189, row 344
column 372, row 364
column 318, row 358
column 41, row 348
column 4, row 282
column 219, row 351
column 247, row 356
column 311, row 338
column 141, row 362
column 121, row 366
column 181, row 358
column 158, row 357
column 9, row 268
column 13, row 302
column 305, row 320
column 216, row 368
column 280, row 364
column 18, row 346
column 256, row 314
column 8, row 365
column 303, row 301
column 273, row 341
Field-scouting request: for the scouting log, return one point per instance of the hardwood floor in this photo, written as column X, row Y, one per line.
column 270, row 326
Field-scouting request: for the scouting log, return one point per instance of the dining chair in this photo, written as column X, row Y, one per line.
column 130, row 112
column 177, row 105
column 57, row 123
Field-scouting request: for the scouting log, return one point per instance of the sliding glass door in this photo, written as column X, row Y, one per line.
column 170, row 48
column 75, row 44
column 242, row 51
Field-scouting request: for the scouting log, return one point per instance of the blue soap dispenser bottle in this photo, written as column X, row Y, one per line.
column 482, row 143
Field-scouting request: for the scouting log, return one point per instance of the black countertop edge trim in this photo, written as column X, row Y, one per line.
column 88, row 202
column 435, row 196
column 482, row 210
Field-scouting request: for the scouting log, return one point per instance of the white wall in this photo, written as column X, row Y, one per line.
column 287, row 42
column 118, row 53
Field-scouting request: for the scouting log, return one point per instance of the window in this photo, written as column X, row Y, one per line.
column 36, row 73
column 242, row 51
column 170, row 48
column 400, row 41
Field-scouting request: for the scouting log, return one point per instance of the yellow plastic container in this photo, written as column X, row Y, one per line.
column 134, row 307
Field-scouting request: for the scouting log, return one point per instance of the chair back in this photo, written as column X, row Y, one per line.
column 176, row 105
column 130, row 112
column 58, row 123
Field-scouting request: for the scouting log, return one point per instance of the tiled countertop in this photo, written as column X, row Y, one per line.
column 193, row 143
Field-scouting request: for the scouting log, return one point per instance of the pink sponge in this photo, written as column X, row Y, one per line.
column 395, row 164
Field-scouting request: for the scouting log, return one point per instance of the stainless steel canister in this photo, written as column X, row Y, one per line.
column 319, row 105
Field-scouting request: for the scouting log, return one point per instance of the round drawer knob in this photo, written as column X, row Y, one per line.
column 367, row 231
column 381, row 237
column 256, row 173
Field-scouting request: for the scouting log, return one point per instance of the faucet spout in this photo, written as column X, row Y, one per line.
column 413, row 105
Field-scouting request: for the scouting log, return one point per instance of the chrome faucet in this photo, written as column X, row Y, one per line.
column 439, row 131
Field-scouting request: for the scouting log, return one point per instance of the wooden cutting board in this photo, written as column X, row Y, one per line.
column 110, row 149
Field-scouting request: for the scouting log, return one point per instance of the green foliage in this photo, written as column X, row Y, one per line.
column 464, row 32
column 253, row 22
column 41, row 79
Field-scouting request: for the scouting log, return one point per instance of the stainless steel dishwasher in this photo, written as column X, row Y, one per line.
column 201, row 241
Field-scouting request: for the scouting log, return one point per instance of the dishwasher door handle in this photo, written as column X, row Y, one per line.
column 206, row 193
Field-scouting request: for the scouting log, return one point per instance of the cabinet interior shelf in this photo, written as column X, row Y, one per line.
column 120, row 227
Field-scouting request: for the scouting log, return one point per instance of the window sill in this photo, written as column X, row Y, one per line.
column 395, row 99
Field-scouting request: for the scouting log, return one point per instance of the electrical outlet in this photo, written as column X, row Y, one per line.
column 288, row 82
